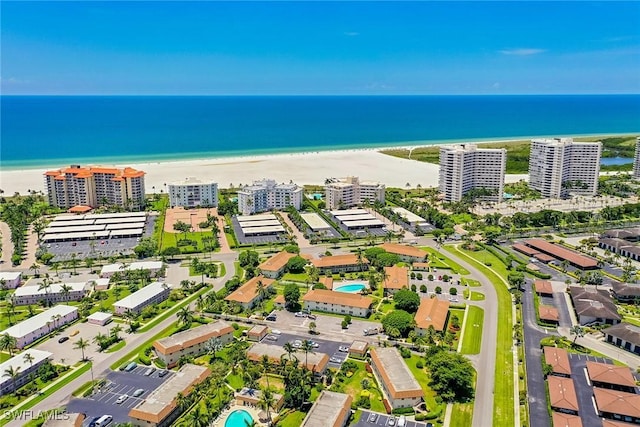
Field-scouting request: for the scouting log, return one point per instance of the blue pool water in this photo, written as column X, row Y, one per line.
column 238, row 418
column 352, row 289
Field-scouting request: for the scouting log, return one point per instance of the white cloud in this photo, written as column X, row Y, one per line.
column 351, row 33
column 522, row 51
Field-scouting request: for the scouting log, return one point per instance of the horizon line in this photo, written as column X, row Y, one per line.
column 315, row 95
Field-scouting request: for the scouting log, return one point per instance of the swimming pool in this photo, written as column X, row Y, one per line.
column 351, row 288
column 238, row 418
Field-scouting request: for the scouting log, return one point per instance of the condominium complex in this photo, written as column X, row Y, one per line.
column 193, row 192
column 266, row 195
column 636, row 160
column 561, row 167
column 466, row 167
column 95, row 186
column 350, row 191
column 24, row 367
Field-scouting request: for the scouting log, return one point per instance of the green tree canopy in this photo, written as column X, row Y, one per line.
column 406, row 300
column 400, row 320
column 451, row 376
column 291, row 295
column 292, row 249
column 296, row 264
column 516, row 279
column 249, row 259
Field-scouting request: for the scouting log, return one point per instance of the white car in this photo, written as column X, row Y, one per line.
column 314, row 344
column 300, row 314
column 343, row 348
column 121, row 399
column 276, row 332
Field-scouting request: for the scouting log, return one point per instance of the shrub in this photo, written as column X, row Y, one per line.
column 413, row 288
column 430, row 277
column 438, row 290
column 419, row 276
column 405, row 352
column 419, row 364
column 345, row 325
column 413, row 275
column 423, row 289
column 453, row 291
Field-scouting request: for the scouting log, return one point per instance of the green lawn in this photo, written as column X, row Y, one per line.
column 504, row 405
column 438, row 259
column 117, row 346
column 353, row 386
column 296, row 277
column 293, row 419
column 235, row 381
column 477, row 296
column 4, row 357
column 20, row 314
column 470, row 282
column 472, row 339
column 171, row 239
column 461, row 415
column 423, row 379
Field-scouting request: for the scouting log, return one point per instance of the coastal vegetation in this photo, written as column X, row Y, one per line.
column 518, row 152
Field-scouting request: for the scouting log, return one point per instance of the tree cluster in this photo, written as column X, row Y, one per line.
column 406, row 300
column 451, row 375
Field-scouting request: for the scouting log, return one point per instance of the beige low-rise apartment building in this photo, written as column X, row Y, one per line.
column 160, row 408
column 395, row 278
column 405, row 252
column 153, row 293
column 315, row 362
column 337, row 302
column 330, row 409
column 248, row 295
column 431, row 312
column 33, row 328
column 275, row 266
column 52, row 294
column 401, row 389
column 10, row 279
column 340, row 264
column 192, row 342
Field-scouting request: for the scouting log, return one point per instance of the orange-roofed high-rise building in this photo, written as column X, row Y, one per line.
column 95, row 186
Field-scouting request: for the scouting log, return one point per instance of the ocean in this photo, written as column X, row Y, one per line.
column 57, row 130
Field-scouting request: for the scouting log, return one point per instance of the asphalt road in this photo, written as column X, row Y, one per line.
column 584, row 391
column 485, row 362
column 536, row 389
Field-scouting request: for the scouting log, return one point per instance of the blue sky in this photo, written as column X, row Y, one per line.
column 255, row 48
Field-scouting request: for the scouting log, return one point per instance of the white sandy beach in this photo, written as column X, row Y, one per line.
column 302, row 168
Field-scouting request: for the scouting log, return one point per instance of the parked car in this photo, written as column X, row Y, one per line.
column 276, row 332
column 335, row 360
column 138, row 392
column 311, row 316
column 297, row 344
column 343, row 348
column 130, row 367
column 300, row 314
column 122, row 398
column 63, row 339
column 272, row 337
column 371, row 331
column 392, row 421
column 74, row 333
column 93, row 421
column 373, row 417
column 163, row 373
column 314, row 344
column 148, row 372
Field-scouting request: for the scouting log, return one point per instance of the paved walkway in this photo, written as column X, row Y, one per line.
column 31, row 247
column 300, row 239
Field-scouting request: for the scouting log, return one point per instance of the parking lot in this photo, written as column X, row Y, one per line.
column 257, row 240
column 584, row 389
column 383, row 420
column 330, row 348
column 330, row 325
column 118, row 383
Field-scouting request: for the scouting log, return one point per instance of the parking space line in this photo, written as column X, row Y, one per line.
column 595, row 408
column 586, row 376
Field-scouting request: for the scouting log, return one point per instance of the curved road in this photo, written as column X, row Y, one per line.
column 485, row 362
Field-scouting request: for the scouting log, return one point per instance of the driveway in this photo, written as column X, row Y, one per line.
column 584, row 390
column 325, row 346
column 383, row 420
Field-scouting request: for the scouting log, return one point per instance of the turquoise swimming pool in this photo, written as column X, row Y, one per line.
column 238, row 418
column 352, row 288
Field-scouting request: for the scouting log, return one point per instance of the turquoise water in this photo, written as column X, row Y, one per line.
column 351, row 289
column 608, row 161
column 53, row 130
column 238, row 418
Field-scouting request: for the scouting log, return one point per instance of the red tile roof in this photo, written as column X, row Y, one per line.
column 432, row 312
column 562, row 393
column 562, row 253
column 558, row 358
column 543, row 287
column 610, row 374
column 566, row 420
column 340, row 298
column 549, row 313
column 617, row 402
column 396, row 277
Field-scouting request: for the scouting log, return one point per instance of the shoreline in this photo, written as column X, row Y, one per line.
column 303, row 168
column 22, row 165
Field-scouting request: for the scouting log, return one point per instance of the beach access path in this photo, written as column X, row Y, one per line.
column 7, row 246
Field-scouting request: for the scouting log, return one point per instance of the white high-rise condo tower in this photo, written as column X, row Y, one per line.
column 466, row 167
column 266, row 195
column 561, row 167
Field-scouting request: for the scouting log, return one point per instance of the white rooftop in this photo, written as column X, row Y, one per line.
column 260, row 217
column 9, row 275
column 357, row 211
column 140, row 265
column 363, row 223
column 100, row 316
column 142, row 295
column 408, row 215
column 55, row 288
column 19, row 363
column 194, row 181
column 265, row 222
column 267, row 229
column 36, row 322
column 315, row 221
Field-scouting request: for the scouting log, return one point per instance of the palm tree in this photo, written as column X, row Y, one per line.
column 81, row 344
column 261, row 290
column 35, row 267
column 185, row 316
column 115, row 331
column 307, row 348
column 289, row 349
column 10, row 310
column 65, row 291
column 28, row 357
column 577, row 331
column 266, row 402
column 266, row 365
column 12, row 372
column 7, row 342
column 46, row 284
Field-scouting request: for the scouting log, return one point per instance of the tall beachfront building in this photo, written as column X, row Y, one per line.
column 192, row 192
column 95, row 186
column 636, row 161
column 466, row 167
column 560, row 167
column 266, row 195
column 350, row 191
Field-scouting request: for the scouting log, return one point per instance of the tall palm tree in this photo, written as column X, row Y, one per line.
column 307, row 348
column 81, row 344
column 576, row 331
column 261, row 290
column 12, row 372
column 266, row 365
column 289, row 349
column 185, row 316
column 46, row 284
column 28, row 357
column 115, row 331
column 10, row 310
column 266, row 402
column 65, row 290
column 7, row 342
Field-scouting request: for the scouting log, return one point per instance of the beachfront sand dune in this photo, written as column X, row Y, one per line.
column 303, row 168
